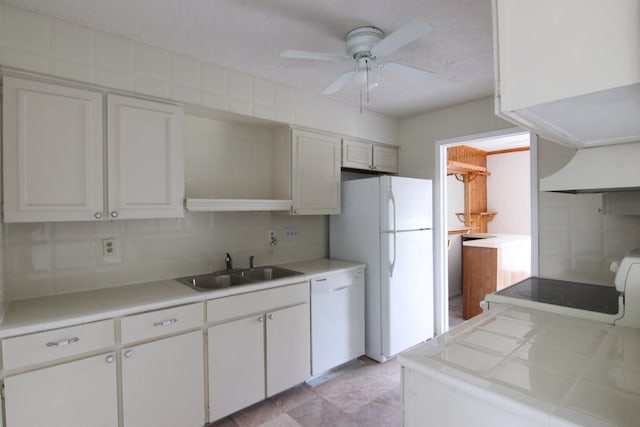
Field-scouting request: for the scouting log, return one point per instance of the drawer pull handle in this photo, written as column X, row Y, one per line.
column 338, row 289
column 321, row 280
column 62, row 343
column 165, row 322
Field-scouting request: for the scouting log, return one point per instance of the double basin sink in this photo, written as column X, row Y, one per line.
column 228, row 278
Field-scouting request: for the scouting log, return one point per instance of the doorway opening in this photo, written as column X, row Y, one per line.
column 488, row 188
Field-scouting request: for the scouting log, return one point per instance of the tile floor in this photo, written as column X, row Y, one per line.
column 366, row 393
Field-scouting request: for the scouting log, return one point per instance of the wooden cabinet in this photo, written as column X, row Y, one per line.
column 54, row 166
column 259, row 345
column 364, row 155
column 307, row 170
column 75, row 394
column 568, row 69
column 163, row 382
column 486, row 270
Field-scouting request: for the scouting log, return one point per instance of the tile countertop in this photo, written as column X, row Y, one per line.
column 555, row 367
column 57, row 311
column 497, row 241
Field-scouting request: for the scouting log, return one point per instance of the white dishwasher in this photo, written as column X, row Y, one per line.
column 337, row 319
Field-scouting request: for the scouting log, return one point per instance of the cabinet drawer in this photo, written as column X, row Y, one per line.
column 48, row 346
column 256, row 302
column 160, row 322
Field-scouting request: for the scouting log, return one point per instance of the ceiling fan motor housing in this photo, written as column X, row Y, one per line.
column 361, row 40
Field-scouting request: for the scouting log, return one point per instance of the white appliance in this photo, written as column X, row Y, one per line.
column 386, row 224
column 619, row 305
column 337, row 319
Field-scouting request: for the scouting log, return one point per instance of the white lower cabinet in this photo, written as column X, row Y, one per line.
column 163, row 382
column 288, row 348
column 75, row 394
column 259, row 346
column 236, row 365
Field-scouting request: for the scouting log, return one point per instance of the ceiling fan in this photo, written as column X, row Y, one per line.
column 365, row 45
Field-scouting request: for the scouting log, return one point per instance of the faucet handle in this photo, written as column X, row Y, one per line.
column 251, row 261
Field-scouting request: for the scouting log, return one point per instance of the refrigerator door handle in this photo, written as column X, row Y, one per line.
column 392, row 197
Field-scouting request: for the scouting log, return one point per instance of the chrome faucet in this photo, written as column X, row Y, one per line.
column 251, row 261
column 229, row 261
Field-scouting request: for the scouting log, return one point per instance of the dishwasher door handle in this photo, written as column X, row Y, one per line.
column 339, row 289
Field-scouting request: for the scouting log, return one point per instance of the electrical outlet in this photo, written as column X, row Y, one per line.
column 271, row 236
column 108, row 247
column 291, row 233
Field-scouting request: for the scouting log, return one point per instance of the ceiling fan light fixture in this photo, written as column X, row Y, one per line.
column 367, row 75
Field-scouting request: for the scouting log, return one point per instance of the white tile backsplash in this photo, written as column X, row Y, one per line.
column 576, row 241
column 148, row 250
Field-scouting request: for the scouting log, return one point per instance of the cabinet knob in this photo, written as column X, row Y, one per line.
column 260, row 319
column 128, row 353
column 109, row 358
column 272, row 316
column 114, row 214
column 98, row 215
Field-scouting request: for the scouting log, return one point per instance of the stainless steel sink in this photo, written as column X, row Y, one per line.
column 225, row 279
column 268, row 272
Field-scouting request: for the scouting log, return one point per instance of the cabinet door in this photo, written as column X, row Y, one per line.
column 76, row 394
column 385, row 159
column 315, row 173
column 163, row 382
column 145, row 159
column 356, row 154
column 288, row 348
column 53, row 162
column 236, row 365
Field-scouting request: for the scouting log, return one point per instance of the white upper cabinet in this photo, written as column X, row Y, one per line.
column 54, row 163
column 307, row 170
column 52, row 152
column 369, row 156
column 569, row 69
column 145, row 164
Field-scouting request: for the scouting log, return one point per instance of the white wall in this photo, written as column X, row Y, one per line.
column 418, row 134
column 576, row 242
column 455, row 201
column 229, row 160
column 508, row 192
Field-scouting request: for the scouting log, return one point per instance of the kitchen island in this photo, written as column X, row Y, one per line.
column 516, row 366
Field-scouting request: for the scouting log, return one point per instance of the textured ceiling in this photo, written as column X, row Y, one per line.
column 249, row 35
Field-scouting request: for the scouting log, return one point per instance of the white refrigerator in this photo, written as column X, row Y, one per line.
column 386, row 224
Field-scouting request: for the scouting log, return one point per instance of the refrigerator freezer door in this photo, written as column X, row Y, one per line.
column 405, row 203
column 407, row 296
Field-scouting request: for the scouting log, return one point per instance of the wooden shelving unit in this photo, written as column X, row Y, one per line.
column 469, row 166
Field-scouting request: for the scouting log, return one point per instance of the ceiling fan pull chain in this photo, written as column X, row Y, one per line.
column 366, row 61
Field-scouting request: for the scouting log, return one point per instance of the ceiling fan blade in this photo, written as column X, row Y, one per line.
column 405, row 71
column 338, row 83
column 415, row 29
column 322, row 56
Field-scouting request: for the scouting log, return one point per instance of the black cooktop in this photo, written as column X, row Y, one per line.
column 582, row 296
